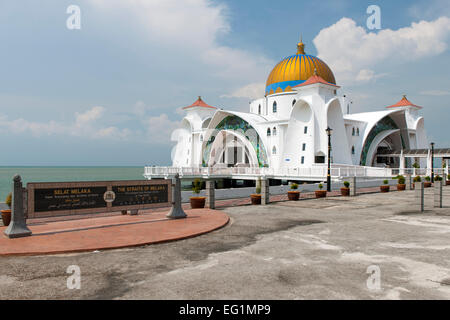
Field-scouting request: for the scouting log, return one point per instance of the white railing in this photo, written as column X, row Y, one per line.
column 419, row 171
column 317, row 171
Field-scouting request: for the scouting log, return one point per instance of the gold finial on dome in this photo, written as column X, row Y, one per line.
column 300, row 46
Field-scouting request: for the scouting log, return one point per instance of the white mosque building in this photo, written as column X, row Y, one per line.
column 286, row 128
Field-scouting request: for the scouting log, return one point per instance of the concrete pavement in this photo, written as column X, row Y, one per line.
column 310, row 249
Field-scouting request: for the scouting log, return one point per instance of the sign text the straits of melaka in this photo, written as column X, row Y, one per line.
column 62, row 198
column 133, row 195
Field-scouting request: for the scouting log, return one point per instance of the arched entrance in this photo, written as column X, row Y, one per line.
column 386, row 135
column 231, row 149
column 233, row 142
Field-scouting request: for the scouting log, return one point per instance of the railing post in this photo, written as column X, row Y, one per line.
column 18, row 226
column 265, row 194
column 352, row 186
column 438, row 194
column 210, row 193
column 408, row 181
column 419, row 196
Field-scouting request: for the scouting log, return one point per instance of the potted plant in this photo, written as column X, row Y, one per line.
column 427, row 184
column 321, row 193
column 345, row 191
column 401, row 186
column 6, row 214
column 294, row 194
column 438, row 178
column 447, row 183
column 196, row 201
column 256, row 197
column 385, row 187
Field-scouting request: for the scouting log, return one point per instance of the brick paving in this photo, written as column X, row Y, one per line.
column 102, row 233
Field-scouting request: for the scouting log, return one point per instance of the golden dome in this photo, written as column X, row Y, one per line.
column 295, row 70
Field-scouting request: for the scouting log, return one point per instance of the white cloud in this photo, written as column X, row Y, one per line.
column 140, row 108
column 251, row 91
column 84, row 125
column 194, row 23
column 435, row 93
column 83, row 119
column 353, row 53
column 194, row 27
column 160, row 128
column 19, row 126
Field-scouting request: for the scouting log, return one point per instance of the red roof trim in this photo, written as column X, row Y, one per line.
column 200, row 103
column 404, row 103
column 315, row 79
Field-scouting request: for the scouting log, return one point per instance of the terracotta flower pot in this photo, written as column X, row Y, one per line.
column 401, row 187
column 197, row 202
column 345, row 192
column 255, row 198
column 6, row 217
column 321, row 193
column 293, row 195
column 384, row 188
column 427, row 184
column 447, row 183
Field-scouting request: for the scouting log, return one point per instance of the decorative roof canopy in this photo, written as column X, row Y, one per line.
column 315, row 78
column 200, row 103
column 404, row 103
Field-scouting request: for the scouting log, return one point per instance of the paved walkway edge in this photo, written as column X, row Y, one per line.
column 219, row 222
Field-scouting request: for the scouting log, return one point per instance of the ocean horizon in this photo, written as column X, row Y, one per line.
column 65, row 174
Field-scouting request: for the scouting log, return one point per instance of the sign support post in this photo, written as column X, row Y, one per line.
column 18, row 226
column 177, row 211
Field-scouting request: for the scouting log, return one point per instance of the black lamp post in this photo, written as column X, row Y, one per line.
column 432, row 162
column 329, row 132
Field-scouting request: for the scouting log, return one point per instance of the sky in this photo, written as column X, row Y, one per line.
column 111, row 92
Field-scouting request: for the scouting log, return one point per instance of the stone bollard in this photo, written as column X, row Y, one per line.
column 420, row 195
column 265, row 196
column 408, row 182
column 177, row 211
column 352, row 186
column 18, row 226
column 210, row 194
column 438, row 194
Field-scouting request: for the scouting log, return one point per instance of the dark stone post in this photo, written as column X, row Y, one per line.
column 177, row 211
column 18, row 226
